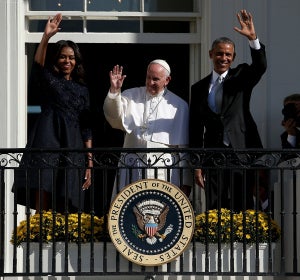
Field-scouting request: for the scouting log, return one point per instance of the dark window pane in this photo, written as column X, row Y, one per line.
column 113, row 26
column 168, row 5
column 65, row 25
column 99, row 60
column 113, row 5
column 166, row 27
column 56, row 5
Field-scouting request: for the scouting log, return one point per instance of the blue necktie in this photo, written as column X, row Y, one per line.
column 215, row 96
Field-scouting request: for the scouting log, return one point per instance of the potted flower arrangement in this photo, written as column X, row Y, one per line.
column 49, row 226
column 223, row 231
column 225, row 226
column 213, row 230
column 54, row 231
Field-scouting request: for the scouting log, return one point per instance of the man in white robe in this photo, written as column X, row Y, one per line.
column 151, row 117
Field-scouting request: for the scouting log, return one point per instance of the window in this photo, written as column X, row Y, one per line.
column 134, row 16
column 112, row 5
column 126, row 32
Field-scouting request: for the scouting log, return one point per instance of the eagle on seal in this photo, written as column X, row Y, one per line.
column 151, row 218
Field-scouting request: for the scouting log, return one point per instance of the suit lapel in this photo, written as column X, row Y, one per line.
column 227, row 98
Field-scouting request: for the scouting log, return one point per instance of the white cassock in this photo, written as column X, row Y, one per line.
column 159, row 121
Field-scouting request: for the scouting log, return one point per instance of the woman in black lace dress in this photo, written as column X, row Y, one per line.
column 63, row 123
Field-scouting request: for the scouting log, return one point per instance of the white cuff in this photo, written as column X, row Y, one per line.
column 265, row 204
column 292, row 140
column 254, row 44
column 113, row 95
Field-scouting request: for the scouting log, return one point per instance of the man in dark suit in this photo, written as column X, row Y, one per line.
column 224, row 120
column 290, row 138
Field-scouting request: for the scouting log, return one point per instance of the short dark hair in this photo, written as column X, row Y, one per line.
column 291, row 98
column 222, row 40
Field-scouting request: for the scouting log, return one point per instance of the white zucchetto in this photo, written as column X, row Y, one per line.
column 163, row 63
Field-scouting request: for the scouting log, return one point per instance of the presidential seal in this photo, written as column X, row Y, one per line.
column 151, row 222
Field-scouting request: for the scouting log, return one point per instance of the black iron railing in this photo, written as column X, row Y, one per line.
column 96, row 255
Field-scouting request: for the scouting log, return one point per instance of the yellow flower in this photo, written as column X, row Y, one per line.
column 225, row 226
column 213, row 226
column 79, row 228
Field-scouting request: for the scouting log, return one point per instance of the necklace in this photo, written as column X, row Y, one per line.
column 152, row 110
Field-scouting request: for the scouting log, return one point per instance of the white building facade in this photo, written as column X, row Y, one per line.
column 133, row 32
column 194, row 23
